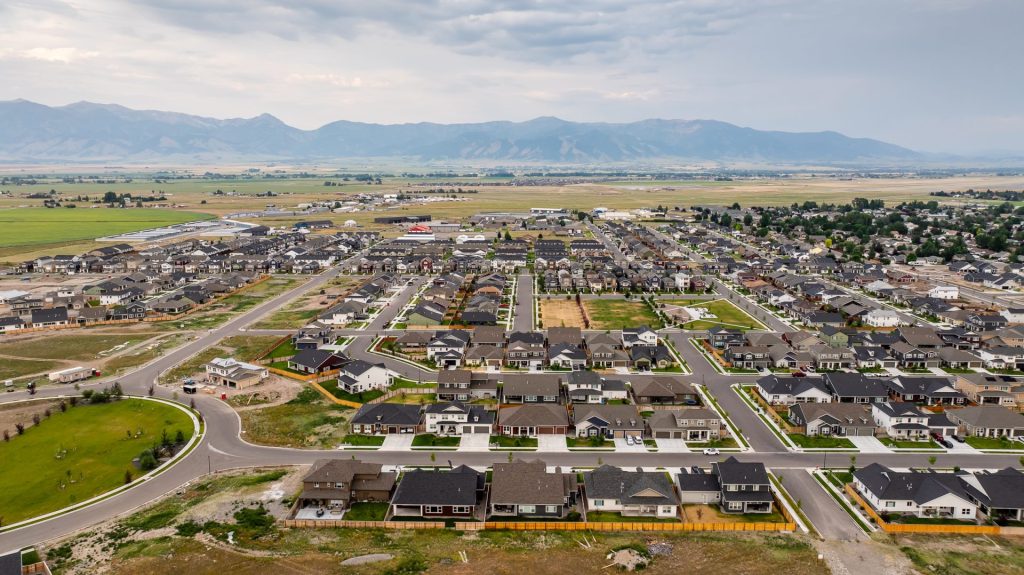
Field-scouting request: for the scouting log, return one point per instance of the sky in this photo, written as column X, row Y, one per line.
column 932, row 75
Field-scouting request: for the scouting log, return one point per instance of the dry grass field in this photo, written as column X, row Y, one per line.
column 560, row 312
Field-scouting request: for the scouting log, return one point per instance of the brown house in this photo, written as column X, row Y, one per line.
column 336, row 483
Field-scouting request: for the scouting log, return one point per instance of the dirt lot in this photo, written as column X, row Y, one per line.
column 11, row 414
column 560, row 312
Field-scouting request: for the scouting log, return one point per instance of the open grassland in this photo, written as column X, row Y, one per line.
column 308, row 306
column 11, row 368
column 73, row 346
column 42, row 226
column 964, row 555
column 76, row 455
column 726, row 314
column 308, row 421
column 618, row 314
column 560, row 312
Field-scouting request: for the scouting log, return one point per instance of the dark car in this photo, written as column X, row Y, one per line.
column 799, row 374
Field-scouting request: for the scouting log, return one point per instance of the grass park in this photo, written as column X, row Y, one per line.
column 57, row 468
column 620, row 313
column 726, row 315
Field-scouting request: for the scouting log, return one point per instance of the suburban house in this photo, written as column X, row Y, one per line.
column 464, row 385
column 901, row 420
column 697, row 424
column 533, row 419
column 531, row 388
column 927, row 390
column 630, row 493
column 526, row 489
column 386, row 418
column 745, row 486
column 918, row 493
column 988, row 421
column 438, row 494
column 337, row 483
column 642, row 335
column 590, row 387
column 235, row 374
column 999, row 495
column 664, row 391
column 359, row 376
column 525, row 349
column 790, row 390
column 833, row 419
column 856, row 388
column 313, row 361
column 457, row 418
column 607, row 421
column 991, row 389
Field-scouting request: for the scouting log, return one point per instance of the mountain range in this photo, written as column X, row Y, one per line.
column 89, row 132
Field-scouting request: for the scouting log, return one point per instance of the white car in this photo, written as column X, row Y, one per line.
column 712, row 451
column 629, row 440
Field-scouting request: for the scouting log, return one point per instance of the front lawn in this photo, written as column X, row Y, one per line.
column 992, row 443
column 363, row 440
column 75, row 455
column 889, row 442
column 594, row 442
column 431, row 440
column 820, row 442
column 362, row 397
column 504, row 441
column 619, row 314
column 366, row 511
column 721, row 443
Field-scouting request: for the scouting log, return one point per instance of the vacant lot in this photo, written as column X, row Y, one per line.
column 308, row 306
column 309, row 420
column 42, row 226
column 71, row 346
column 13, row 368
column 726, row 314
column 560, row 312
column 56, row 468
column 618, row 314
column 240, row 347
column 964, row 555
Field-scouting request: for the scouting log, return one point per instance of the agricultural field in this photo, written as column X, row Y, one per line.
column 726, row 314
column 24, row 229
column 56, row 468
column 619, row 313
column 560, row 312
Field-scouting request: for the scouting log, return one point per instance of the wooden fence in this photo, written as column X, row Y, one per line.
column 770, row 411
column 330, row 396
column 926, row 528
column 540, row 525
column 427, row 390
column 342, row 523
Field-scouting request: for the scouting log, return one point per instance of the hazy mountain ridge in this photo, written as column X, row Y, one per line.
column 100, row 132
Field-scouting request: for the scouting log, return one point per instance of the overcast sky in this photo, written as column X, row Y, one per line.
column 934, row 75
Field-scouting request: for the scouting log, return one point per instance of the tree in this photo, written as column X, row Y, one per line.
column 147, row 461
column 179, row 437
column 932, row 460
column 7, row 435
column 20, row 428
column 127, row 476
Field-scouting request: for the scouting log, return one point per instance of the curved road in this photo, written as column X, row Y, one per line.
column 224, row 448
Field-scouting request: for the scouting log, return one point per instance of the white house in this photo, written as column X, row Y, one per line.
column 457, row 418
column 235, row 374
column 900, row 420
column 944, row 292
column 639, row 336
column 1013, row 315
column 917, row 493
column 882, row 318
column 358, row 376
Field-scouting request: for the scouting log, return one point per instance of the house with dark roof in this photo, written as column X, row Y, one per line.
column 528, row 489
column 664, row 391
column 856, row 388
column 337, row 483
column 833, row 419
column 386, row 418
column 435, row 494
column 637, row 493
column 999, row 495
column 358, row 376
column 926, row 390
column 51, row 317
column 531, row 388
column 745, row 486
column 316, row 361
column 925, row 494
column 607, row 421
column 533, row 419
column 696, row 424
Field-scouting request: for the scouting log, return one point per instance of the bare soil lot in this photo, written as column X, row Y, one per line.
column 560, row 312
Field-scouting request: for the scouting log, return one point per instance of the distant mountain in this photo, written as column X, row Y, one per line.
column 87, row 132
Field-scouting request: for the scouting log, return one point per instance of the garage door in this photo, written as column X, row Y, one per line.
column 481, row 429
column 663, row 435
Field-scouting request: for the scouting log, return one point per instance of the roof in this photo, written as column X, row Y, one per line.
column 1003, row 489
column 314, row 358
column 540, row 384
column 855, row 385
column 917, row 486
column 610, row 416
column 662, row 387
column 10, row 564
column 387, row 414
column 987, row 416
column 533, row 415
column 775, row 385
column 734, row 472
column 691, row 482
column 529, row 482
column 630, row 487
column 421, row 487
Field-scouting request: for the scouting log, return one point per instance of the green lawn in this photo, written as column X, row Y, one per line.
column 928, row 444
column 366, row 511
column 993, row 443
column 286, row 349
column 332, row 387
column 78, row 346
column 504, row 441
column 363, row 440
column 589, row 442
column 431, row 440
column 41, row 226
column 726, row 315
column 722, row 443
column 77, row 455
column 620, row 313
column 612, row 517
column 820, row 442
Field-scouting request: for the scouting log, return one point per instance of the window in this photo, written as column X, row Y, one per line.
column 527, row 508
column 890, row 504
column 598, row 502
column 460, row 509
column 316, row 485
column 551, row 509
column 432, row 509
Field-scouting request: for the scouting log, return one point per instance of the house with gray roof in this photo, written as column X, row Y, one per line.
column 925, row 494
column 528, row 489
column 988, row 421
column 637, row 493
column 386, row 418
column 435, row 494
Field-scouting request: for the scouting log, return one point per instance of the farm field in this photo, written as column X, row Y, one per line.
column 56, row 468
column 560, row 312
column 726, row 314
column 617, row 314
column 42, row 226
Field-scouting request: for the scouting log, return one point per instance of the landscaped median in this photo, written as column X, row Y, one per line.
column 117, row 442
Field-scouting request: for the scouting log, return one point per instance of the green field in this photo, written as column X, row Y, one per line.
column 12, row 368
column 619, row 313
column 41, row 226
column 74, row 456
column 727, row 315
column 57, row 346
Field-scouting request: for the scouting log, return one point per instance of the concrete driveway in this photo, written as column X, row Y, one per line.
column 551, row 443
column 869, row 445
column 475, row 442
column 398, row 442
column 622, row 446
column 671, row 446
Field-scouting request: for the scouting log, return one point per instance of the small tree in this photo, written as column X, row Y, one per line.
column 63, row 406
column 152, row 390
column 179, row 437
column 7, row 435
column 932, row 460
column 127, row 476
column 47, row 413
column 36, row 419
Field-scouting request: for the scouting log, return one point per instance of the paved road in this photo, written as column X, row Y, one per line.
column 831, row 521
column 523, row 318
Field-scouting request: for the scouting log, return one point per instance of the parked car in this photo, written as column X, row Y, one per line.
column 712, row 451
column 799, row 374
column 629, row 440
